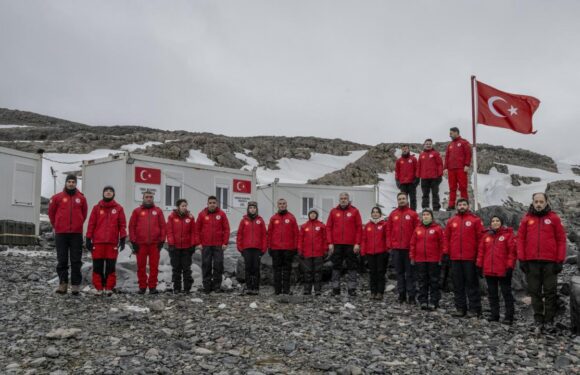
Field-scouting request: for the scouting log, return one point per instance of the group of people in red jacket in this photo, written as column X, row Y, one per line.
column 429, row 168
column 417, row 244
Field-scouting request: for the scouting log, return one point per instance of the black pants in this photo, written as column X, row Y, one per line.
column 428, row 274
column 405, row 273
column 212, row 267
column 377, row 270
column 344, row 254
column 105, row 268
column 252, row 268
column 312, row 268
column 430, row 186
column 69, row 247
column 282, row 267
column 494, row 284
column 411, row 190
column 181, row 260
column 466, row 282
column 542, row 282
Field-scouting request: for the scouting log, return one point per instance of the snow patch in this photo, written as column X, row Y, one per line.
column 13, row 126
column 136, row 146
column 198, row 157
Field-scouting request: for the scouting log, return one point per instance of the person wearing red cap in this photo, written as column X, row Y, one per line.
column 67, row 212
column 106, row 235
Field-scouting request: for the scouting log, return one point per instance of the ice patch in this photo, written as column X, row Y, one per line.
column 198, row 157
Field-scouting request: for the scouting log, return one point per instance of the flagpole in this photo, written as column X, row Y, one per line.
column 473, row 124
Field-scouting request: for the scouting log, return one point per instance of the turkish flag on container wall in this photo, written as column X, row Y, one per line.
column 242, row 186
column 148, row 175
column 504, row 110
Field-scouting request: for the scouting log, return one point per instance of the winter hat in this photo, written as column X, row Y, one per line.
column 71, row 177
column 108, row 187
column 430, row 211
column 253, row 203
column 499, row 217
column 313, row 210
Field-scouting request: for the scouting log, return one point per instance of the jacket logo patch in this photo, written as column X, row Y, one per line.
column 246, row 222
column 276, row 221
column 101, row 212
column 396, row 217
column 154, row 213
column 410, row 161
column 407, row 217
column 459, row 145
column 419, row 232
column 114, row 211
column 142, row 213
column 258, row 222
column 317, row 228
column 348, row 214
column 306, row 229
column 78, row 200
column 287, row 221
column 188, row 221
column 423, row 157
column 488, row 239
column 454, row 225
column 432, row 231
column 176, row 220
column 468, row 223
column 338, row 214
column 380, row 227
column 369, row 229
column 65, row 200
column 501, row 238
column 218, row 217
column 207, row 218
column 430, row 156
column 531, row 222
column 548, row 221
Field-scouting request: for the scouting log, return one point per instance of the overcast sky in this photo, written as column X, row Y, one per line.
column 367, row 71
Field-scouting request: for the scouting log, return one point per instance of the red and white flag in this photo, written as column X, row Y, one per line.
column 505, row 110
column 242, row 186
column 148, row 175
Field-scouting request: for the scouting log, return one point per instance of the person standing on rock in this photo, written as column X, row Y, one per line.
column 430, row 171
column 251, row 242
column 406, row 175
column 428, row 244
column 344, row 235
column 496, row 259
column 182, row 239
column 147, row 234
column 213, row 228
column 67, row 212
column 106, row 234
column 541, row 251
column 312, row 248
column 463, row 233
column 401, row 223
column 282, row 245
column 374, row 248
column 457, row 162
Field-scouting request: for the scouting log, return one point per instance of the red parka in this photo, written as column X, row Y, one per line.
column 67, row 213
column 181, row 230
column 429, row 165
column 542, row 238
column 463, row 231
column 344, row 226
column 406, row 169
column 312, row 239
column 427, row 243
column 458, row 154
column 147, row 225
column 282, row 232
column 497, row 252
column 107, row 223
column 251, row 234
column 213, row 228
column 374, row 238
column 400, row 226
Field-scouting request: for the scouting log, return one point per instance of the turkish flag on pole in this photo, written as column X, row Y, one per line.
column 148, row 175
column 242, row 186
column 504, row 110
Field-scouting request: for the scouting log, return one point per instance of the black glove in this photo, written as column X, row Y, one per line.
column 135, row 247
column 160, row 245
column 524, row 267
column 121, row 245
column 558, row 268
column 416, row 182
column 89, row 244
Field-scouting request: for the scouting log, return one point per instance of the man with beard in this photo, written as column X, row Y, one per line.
column 541, row 252
column 67, row 212
column 405, row 175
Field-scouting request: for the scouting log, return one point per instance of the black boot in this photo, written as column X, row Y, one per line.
column 142, row 291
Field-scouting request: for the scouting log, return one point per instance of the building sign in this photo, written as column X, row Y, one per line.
column 140, row 189
column 241, row 201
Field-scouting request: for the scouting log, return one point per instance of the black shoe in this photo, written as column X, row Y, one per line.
column 307, row 293
column 142, row 291
column 459, row 314
column 318, row 293
column 336, row 292
column 507, row 321
column 493, row 318
column 402, row 298
column 206, row 291
column 474, row 314
column 424, row 307
column 153, row 291
column 352, row 292
column 187, row 292
column 176, row 291
column 435, row 307
column 412, row 301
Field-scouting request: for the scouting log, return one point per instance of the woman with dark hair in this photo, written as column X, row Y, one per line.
column 182, row 239
column 374, row 248
column 496, row 259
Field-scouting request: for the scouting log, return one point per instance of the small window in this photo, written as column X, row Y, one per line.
column 172, row 194
column 222, row 194
column 307, row 205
